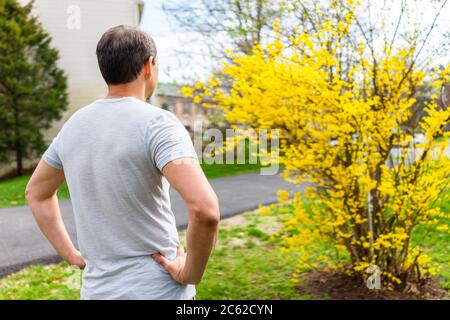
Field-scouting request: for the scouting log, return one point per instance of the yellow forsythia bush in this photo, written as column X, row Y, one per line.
column 346, row 133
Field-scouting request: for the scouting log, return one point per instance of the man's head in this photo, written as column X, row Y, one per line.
column 125, row 55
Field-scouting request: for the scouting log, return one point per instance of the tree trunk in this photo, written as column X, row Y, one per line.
column 18, row 142
column 19, row 160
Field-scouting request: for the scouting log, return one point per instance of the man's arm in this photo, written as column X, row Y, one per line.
column 187, row 177
column 41, row 196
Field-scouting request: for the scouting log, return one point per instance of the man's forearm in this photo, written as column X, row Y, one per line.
column 48, row 217
column 201, row 238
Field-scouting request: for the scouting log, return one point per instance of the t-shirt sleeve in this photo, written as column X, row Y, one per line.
column 51, row 156
column 168, row 140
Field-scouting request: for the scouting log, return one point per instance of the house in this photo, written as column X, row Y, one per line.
column 192, row 115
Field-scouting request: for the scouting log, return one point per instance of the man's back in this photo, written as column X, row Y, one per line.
column 112, row 153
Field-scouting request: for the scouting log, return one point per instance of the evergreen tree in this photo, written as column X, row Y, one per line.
column 32, row 87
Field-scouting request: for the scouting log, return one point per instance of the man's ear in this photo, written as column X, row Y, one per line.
column 148, row 67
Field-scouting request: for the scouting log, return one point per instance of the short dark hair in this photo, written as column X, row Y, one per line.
column 122, row 52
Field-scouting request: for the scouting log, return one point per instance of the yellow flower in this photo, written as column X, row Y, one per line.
column 283, row 195
column 197, row 99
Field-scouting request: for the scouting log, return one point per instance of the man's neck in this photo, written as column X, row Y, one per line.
column 126, row 90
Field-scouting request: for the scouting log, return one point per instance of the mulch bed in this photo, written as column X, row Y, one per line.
column 320, row 284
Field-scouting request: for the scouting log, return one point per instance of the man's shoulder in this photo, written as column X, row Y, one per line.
column 161, row 116
column 82, row 110
column 153, row 112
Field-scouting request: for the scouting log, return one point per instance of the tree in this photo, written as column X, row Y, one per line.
column 231, row 24
column 343, row 129
column 32, row 87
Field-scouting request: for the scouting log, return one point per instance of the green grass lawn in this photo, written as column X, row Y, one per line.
column 437, row 244
column 248, row 265
column 222, row 170
column 12, row 190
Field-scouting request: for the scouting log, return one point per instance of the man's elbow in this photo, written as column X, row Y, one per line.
column 207, row 213
column 32, row 195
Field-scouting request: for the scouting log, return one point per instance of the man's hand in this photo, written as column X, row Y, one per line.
column 175, row 267
column 77, row 260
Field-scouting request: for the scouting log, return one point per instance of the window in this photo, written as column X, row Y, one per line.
column 187, row 107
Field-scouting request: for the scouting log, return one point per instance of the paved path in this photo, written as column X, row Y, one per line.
column 22, row 243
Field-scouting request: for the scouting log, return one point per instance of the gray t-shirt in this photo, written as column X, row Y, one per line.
column 112, row 153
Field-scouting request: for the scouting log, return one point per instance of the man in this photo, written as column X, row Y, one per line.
column 119, row 155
